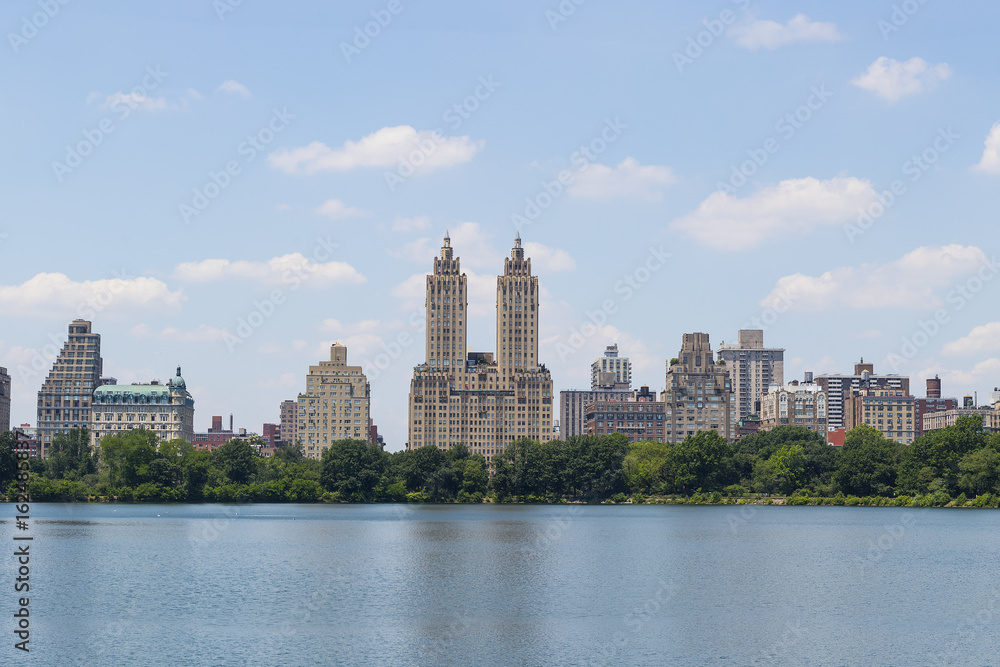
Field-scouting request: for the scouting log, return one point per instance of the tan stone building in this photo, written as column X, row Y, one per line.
column 336, row 404
column 839, row 389
column 938, row 420
column 476, row 398
column 4, row 400
column 165, row 409
column 794, row 404
column 753, row 368
column 888, row 409
column 698, row 394
column 64, row 399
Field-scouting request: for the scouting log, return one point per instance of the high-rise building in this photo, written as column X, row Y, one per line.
column 336, row 404
column 165, row 409
column 698, row 394
column 838, row 389
column 641, row 418
column 4, row 400
column 475, row 398
column 753, row 368
column 64, row 399
column 887, row 409
column 573, row 408
column 611, row 371
column 794, row 404
column 288, row 431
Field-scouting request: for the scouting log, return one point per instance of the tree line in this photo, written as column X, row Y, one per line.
column 961, row 461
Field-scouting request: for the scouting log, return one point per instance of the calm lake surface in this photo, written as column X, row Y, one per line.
column 506, row 585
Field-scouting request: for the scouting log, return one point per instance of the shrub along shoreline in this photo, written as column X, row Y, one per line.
column 955, row 467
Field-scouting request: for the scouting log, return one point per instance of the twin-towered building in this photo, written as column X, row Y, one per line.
column 482, row 399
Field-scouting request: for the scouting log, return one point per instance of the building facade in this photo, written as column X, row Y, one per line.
column 216, row 436
column 573, row 408
column 698, row 394
column 939, row 420
column 838, row 389
column 336, row 404
column 4, row 400
column 889, row 410
column 64, row 399
column 288, row 431
column 165, row 409
column 753, row 368
column 641, row 420
column 476, row 398
column 794, row 404
column 611, row 371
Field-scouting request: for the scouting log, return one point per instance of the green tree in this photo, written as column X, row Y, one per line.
column 238, row 460
column 699, row 461
column 8, row 458
column 980, row 471
column 353, row 469
column 868, row 463
column 788, row 467
column 127, row 456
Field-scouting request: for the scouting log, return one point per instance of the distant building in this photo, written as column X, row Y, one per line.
column 698, row 392
column 216, row 435
column 270, row 434
column 165, row 409
column 64, row 399
column 29, row 438
column 573, row 408
column 748, row 426
column 288, row 431
column 939, row 420
column 611, row 371
column 795, row 404
column 753, row 369
column 838, row 389
column 887, row 409
column 336, row 405
column 4, row 400
column 932, row 403
column 641, row 418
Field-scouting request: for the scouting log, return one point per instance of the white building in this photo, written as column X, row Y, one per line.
column 165, row 409
column 611, row 371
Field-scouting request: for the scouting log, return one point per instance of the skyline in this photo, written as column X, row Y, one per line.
column 810, row 169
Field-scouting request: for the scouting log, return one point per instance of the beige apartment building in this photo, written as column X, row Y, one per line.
column 165, row 409
column 477, row 398
column 938, row 420
column 794, row 404
column 64, row 399
column 753, row 368
column 336, row 404
column 698, row 394
column 888, row 409
column 4, row 400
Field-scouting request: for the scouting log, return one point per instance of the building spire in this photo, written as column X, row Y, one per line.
column 446, row 251
column 517, row 252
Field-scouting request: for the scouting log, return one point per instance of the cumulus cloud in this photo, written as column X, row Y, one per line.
column 893, row 80
column 990, row 162
column 984, row 338
column 338, row 210
column 55, row 294
column 290, row 269
column 795, row 206
column 419, row 250
column 548, row 260
column 770, row 34
column 383, row 148
column 416, row 224
column 119, row 100
column 233, row 87
column 627, row 179
column 921, row 279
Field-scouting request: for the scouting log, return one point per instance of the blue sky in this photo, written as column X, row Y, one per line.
column 172, row 170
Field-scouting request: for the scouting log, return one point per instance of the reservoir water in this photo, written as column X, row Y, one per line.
column 506, row 585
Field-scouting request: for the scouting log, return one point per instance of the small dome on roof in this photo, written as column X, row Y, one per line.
column 177, row 382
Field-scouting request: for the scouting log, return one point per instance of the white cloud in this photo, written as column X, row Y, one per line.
column 984, row 338
column 56, row 294
column 915, row 281
column 202, row 334
column 893, row 80
column 990, row 162
column 771, row 34
column 417, row 224
column 383, row 148
column 957, row 381
column 411, row 292
column 338, row 210
column 121, row 100
column 233, row 87
column 279, row 270
column 419, row 250
column 548, row 260
column 794, row 206
column 628, row 179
